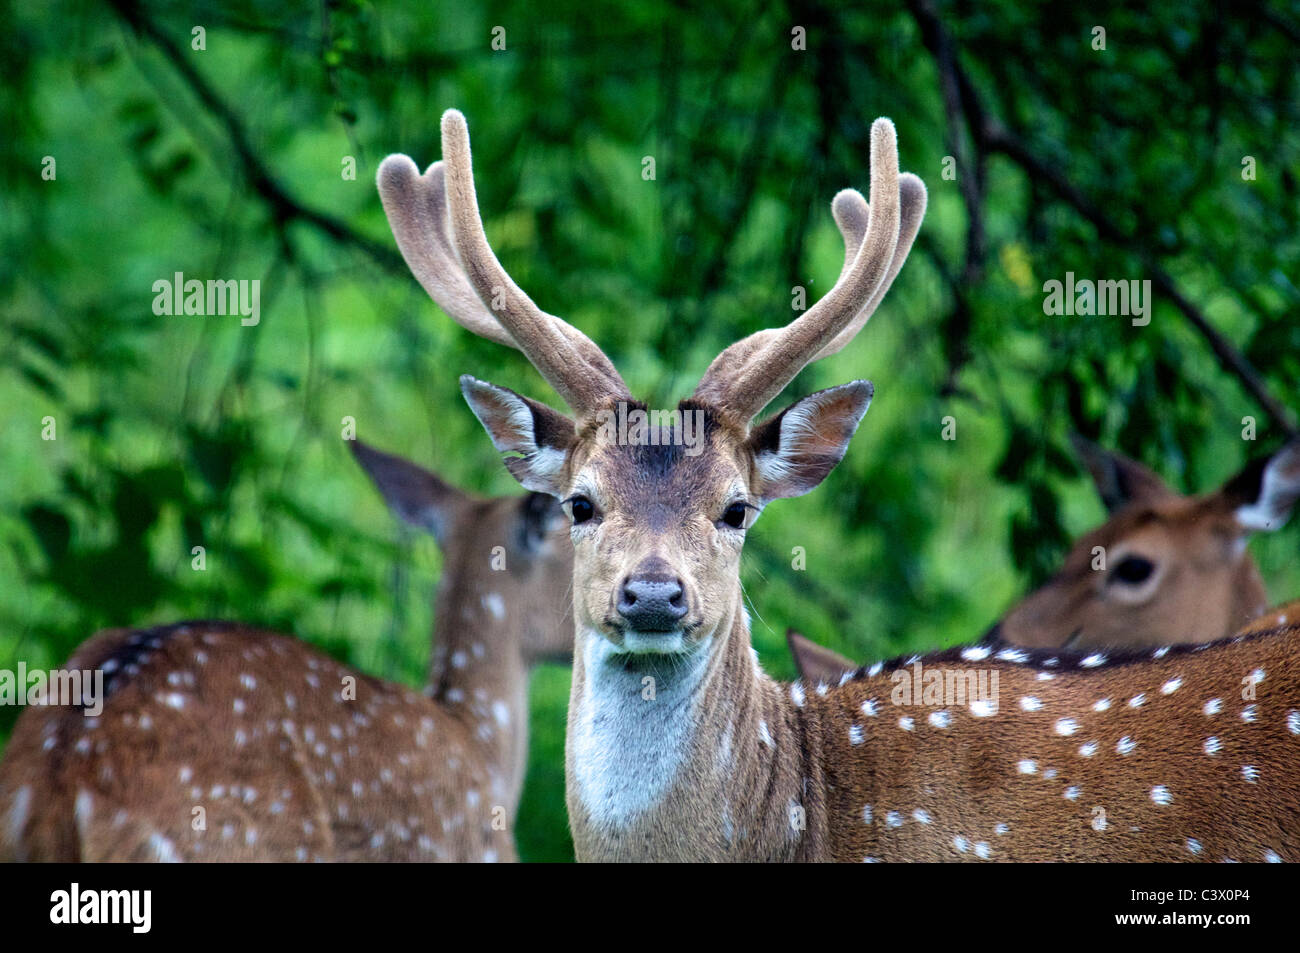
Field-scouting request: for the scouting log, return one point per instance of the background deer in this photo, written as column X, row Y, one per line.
column 283, row 753
column 1164, row 568
column 681, row 748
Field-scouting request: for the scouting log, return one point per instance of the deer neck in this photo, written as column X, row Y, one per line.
column 696, row 758
column 479, row 676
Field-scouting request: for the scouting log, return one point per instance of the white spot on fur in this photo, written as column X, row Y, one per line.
column 1102, row 704
column 1171, row 686
column 164, row 850
column 1213, row 707
column 495, row 605
column 1093, row 660
column 940, row 719
column 1088, row 750
column 1126, row 745
column 1212, row 746
column 1066, row 727
column 1160, row 795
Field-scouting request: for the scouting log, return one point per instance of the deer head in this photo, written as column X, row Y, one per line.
column 657, row 525
column 1164, row 568
column 515, row 542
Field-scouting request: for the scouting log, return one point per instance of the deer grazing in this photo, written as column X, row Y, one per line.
column 219, row 741
column 1163, row 569
column 679, row 746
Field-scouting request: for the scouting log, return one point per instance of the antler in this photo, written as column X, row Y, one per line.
column 436, row 222
column 877, row 238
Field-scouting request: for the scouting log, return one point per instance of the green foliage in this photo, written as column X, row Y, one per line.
column 183, row 431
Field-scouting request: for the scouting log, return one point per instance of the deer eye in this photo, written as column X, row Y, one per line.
column 735, row 515
column 582, row 509
column 1133, row 570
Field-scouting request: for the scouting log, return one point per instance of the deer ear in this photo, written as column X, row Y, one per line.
column 1263, row 494
column 417, row 496
column 816, row 663
column 794, row 450
column 1119, row 479
column 534, row 438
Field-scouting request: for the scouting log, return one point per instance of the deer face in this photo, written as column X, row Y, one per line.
column 658, row 524
column 1164, row 569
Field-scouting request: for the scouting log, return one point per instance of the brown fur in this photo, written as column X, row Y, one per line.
column 973, row 775
column 264, row 741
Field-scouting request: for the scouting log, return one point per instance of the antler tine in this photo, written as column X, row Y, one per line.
column 852, row 214
column 416, row 207
column 572, row 364
column 747, row 375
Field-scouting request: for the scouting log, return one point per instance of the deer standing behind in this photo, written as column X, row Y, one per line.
column 1164, row 568
column 680, row 747
column 257, row 736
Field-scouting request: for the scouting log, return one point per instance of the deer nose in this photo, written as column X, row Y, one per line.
column 652, row 602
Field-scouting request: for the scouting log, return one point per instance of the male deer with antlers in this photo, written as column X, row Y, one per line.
column 222, row 742
column 1164, row 569
column 680, row 748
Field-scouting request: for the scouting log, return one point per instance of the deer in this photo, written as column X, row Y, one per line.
column 1163, row 569
column 219, row 741
column 679, row 746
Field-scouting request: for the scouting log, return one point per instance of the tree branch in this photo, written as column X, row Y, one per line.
column 989, row 131
column 263, row 181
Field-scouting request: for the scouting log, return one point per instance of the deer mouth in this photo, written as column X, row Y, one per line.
column 630, row 641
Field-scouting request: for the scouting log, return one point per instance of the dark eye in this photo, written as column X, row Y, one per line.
column 582, row 509
column 735, row 515
column 1133, row 570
